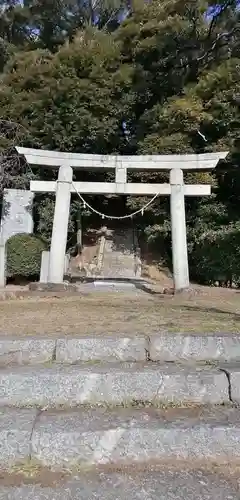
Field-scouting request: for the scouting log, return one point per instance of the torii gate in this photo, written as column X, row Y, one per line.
column 176, row 189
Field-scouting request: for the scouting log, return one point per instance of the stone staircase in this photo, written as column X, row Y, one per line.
column 114, row 417
column 121, row 255
column 114, row 258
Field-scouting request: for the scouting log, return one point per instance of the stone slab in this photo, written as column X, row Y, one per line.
column 53, row 287
column 163, row 484
column 18, row 213
column 15, row 435
column 173, row 347
column 111, row 384
column 26, row 350
column 98, row 437
column 114, row 285
column 163, row 348
column 101, row 348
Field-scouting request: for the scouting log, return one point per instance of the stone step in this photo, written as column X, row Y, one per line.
column 129, row 286
column 184, row 348
column 89, row 437
column 70, row 350
column 162, row 483
column 116, row 384
column 110, row 282
column 117, row 262
column 115, row 273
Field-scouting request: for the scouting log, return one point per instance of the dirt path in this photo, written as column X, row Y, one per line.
column 212, row 310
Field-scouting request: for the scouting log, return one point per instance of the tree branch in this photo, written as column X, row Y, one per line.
column 221, row 36
column 215, row 18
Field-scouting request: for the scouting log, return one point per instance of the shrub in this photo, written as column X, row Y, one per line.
column 216, row 256
column 24, row 255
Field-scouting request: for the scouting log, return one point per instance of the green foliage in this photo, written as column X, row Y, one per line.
column 70, row 101
column 24, row 255
column 216, row 256
column 48, row 24
column 44, row 213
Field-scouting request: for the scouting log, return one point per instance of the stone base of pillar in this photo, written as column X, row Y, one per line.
column 173, row 291
column 53, row 287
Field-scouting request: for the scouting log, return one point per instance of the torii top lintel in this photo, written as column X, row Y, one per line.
column 53, row 159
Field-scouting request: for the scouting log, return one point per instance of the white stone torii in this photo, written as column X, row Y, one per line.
column 176, row 188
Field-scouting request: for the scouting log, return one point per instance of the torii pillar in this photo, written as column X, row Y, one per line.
column 60, row 225
column 179, row 231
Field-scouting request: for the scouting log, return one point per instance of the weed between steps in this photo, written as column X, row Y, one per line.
column 33, row 468
column 52, row 363
column 133, row 404
column 31, row 471
column 29, row 468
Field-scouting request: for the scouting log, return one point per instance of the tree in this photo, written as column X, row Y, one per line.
column 187, row 88
column 48, row 24
column 71, row 100
column 68, row 101
column 14, row 19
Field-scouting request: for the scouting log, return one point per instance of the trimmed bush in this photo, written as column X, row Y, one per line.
column 24, row 255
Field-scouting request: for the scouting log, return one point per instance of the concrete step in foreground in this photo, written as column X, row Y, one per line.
column 162, row 484
column 89, row 437
column 75, row 406
column 119, row 369
column 116, row 384
column 168, row 347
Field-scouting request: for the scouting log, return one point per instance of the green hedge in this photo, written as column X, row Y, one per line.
column 24, row 255
column 216, row 256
